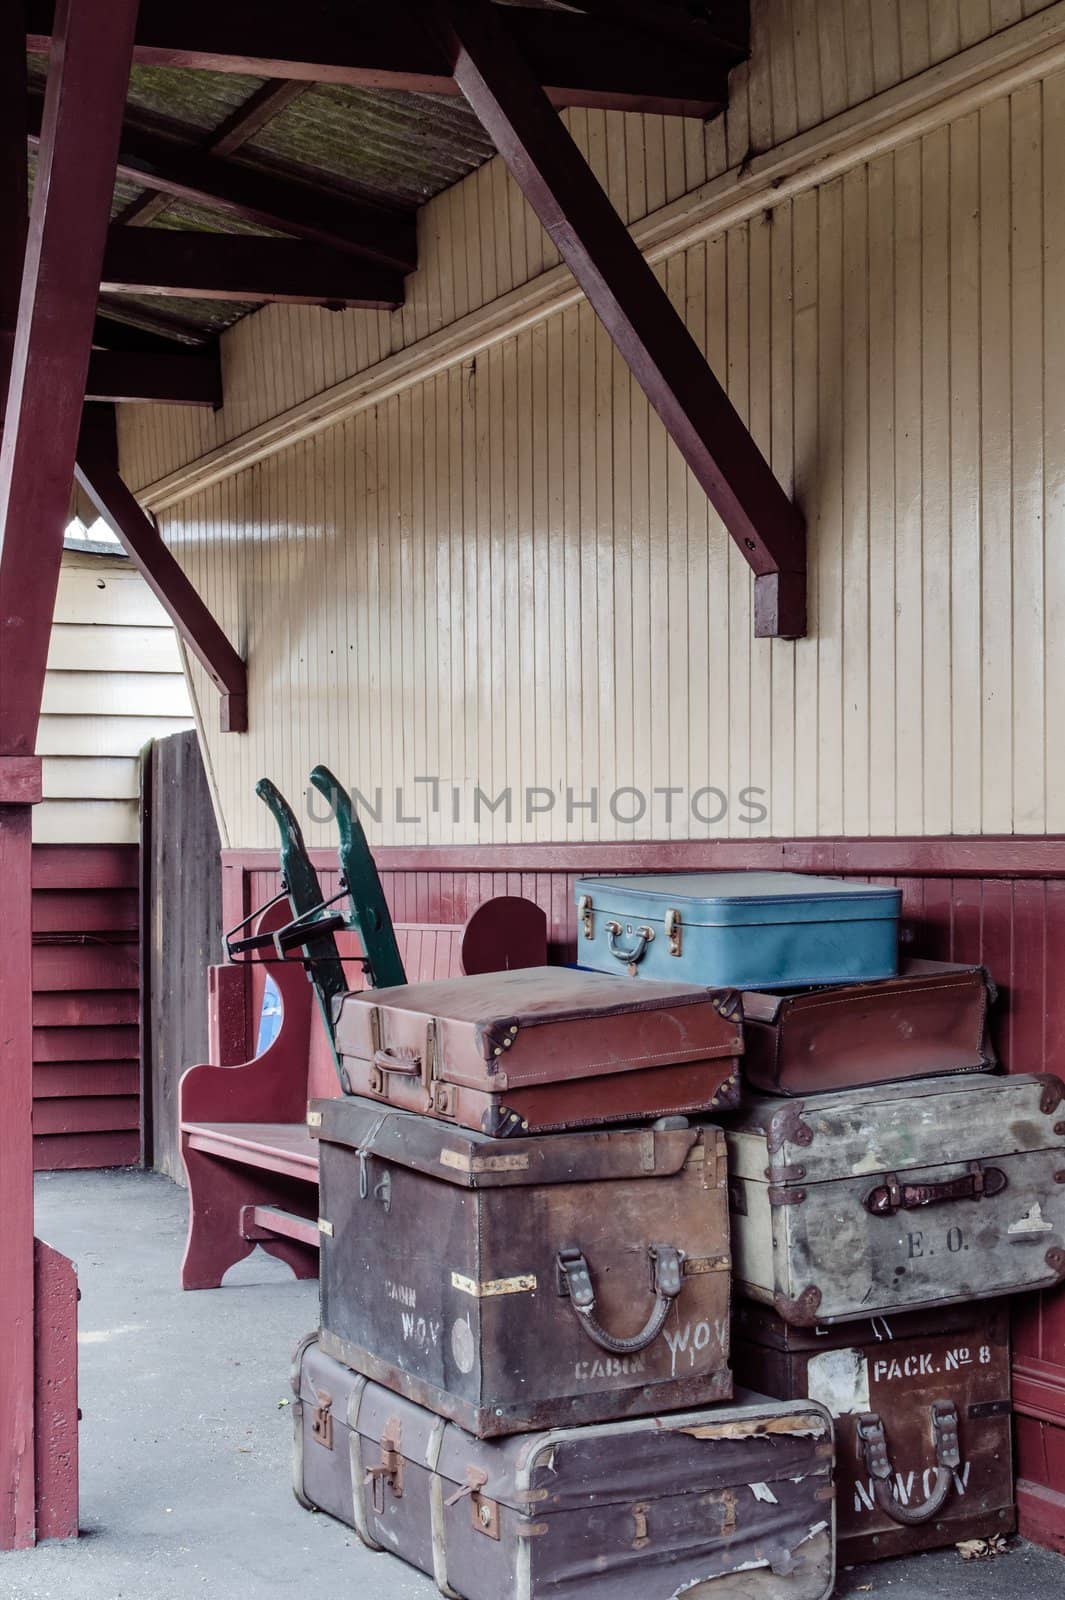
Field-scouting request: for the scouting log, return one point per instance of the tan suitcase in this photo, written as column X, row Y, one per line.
column 542, row 1048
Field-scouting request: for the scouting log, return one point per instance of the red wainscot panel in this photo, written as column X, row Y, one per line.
column 86, row 1006
column 999, row 900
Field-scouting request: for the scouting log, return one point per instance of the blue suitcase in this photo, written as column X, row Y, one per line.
column 740, row 930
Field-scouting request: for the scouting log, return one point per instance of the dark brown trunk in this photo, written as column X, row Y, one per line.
column 512, row 1286
column 899, row 1369
column 628, row 1511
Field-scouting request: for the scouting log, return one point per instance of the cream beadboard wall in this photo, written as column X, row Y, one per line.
column 455, row 544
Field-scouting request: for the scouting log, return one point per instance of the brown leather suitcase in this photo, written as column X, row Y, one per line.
column 513, row 1285
column 732, row 1502
column 929, row 1021
column 542, row 1048
column 922, row 1408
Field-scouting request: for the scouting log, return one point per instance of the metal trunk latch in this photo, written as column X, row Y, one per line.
column 484, row 1513
column 873, row 1440
column 673, row 931
column 389, row 1470
column 584, row 911
column 381, row 1190
column 322, row 1419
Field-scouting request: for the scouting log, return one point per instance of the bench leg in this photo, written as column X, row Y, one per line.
column 218, row 1192
column 302, row 1258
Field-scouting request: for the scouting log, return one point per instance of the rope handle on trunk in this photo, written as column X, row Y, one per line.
column 575, row 1283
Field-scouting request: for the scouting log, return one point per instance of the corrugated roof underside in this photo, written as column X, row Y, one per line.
column 396, row 149
column 374, row 146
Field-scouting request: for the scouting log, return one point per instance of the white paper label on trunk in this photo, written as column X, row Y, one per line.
column 839, row 1379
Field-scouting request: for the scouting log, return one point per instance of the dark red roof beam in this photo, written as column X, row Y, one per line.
column 216, row 266
column 174, row 332
column 98, row 475
column 159, row 162
column 677, row 23
column 581, row 60
column 633, row 307
column 180, row 379
column 111, row 331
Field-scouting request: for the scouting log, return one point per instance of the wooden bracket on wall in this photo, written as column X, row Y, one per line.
column 97, row 473
column 632, row 305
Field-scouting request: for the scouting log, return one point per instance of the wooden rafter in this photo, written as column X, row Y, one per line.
column 677, row 23
column 260, row 108
column 172, row 377
column 113, row 332
column 150, row 157
column 97, row 473
column 140, row 323
column 581, row 60
column 633, row 307
column 214, row 266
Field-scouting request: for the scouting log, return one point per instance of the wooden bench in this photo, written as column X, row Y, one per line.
column 252, row 1167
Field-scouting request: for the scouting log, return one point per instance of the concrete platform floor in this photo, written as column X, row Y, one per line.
column 185, row 1439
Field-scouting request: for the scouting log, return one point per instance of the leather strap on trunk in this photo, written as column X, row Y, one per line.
column 575, row 1281
column 873, row 1441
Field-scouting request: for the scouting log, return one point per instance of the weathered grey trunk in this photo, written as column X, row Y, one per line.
column 873, row 1201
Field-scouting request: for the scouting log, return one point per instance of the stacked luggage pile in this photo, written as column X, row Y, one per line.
column 532, row 1302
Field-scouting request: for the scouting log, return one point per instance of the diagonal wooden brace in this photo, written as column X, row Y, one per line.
column 632, row 305
column 98, row 475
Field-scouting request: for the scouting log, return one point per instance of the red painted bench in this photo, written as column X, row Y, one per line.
column 252, row 1167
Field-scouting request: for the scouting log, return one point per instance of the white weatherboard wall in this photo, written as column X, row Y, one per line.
column 482, row 560
column 114, row 681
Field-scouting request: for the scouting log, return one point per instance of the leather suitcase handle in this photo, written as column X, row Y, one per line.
column 405, row 1061
column 635, row 951
column 575, row 1282
column 978, row 1183
column 873, row 1441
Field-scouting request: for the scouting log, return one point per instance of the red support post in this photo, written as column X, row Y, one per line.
column 632, row 305
column 92, row 47
column 92, row 44
column 14, row 193
column 17, row 1377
